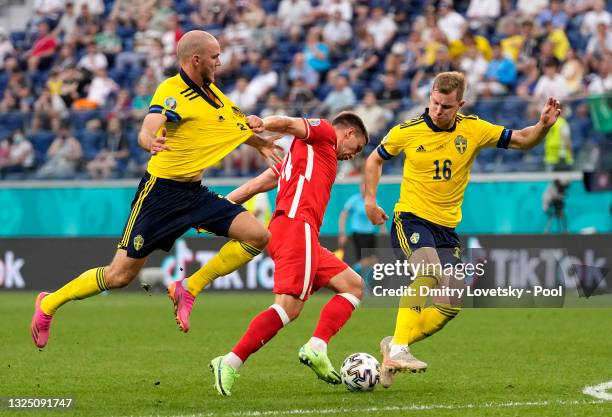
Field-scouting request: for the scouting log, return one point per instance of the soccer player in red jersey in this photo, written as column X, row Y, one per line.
column 302, row 265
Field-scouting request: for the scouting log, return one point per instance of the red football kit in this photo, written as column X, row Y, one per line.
column 306, row 176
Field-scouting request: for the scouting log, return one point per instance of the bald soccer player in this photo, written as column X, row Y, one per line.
column 190, row 126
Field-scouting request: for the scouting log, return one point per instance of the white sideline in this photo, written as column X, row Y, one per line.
column 599, row 391
column 414, row 407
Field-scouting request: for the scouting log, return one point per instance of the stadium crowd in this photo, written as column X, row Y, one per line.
column 77, row 81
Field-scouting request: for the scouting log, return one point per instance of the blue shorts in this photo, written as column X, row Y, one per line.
column 163, row 210
column 410, row 232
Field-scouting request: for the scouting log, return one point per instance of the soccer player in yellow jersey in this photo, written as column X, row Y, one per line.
column 440, row 147
column 191, row 125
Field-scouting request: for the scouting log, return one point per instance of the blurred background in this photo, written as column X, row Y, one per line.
column 76, row 78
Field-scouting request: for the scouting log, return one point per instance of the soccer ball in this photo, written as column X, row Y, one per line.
column 360, row 372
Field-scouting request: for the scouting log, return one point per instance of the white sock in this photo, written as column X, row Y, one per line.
column 395, row 349
column 318, row 344
column 233, row 360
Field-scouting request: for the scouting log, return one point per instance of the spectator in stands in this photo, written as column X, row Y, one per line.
column 390, row 96
column 48, row 111
column 114, row 154
column 170, row 39
column 573, row 71
column 294, row 13
column 374, row 116
column 558, row 39
column 161, row 15
column 483, row 14
column 265, row 38
column 143, row 42
column 451, row 23
column 6, row 48
column 241, row 96
column 86, row 17
column 301, row 99
column 109, row 42
column 93, row 60
column 554, row 14
column 363, row 60
column 340, row 98
column 382, row 27
column 474, row 66
column 337, row 33
column 550, row 84
column 299, row 69
column 140, row 103
column 67, row 26
column 511, row 41
column 41, row 54
column 264, row 81
column 530, row 45
column 601, row 82
column 102, row 86
column 63, row 156
column 500, row 75
column 66, row 58
column 599, row 44
column 94, row 7
column 16, row 154
column 530, row 8
column 421, row 82
column 597, row 15
column 316, row 52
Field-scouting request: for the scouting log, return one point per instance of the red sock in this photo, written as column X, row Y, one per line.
column 263, row 328
column 334, row 315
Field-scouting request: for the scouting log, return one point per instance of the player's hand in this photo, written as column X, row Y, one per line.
column 159, row 144
column 255, row 123
column 269, row 150
column 550, row 112
column 376, row 214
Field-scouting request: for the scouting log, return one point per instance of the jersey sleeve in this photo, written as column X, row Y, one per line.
column 318, row 130
column 276, row 168
column 392, row 144
column 166, row 101
column 490, row 135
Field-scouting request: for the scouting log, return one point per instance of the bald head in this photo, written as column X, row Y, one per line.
column 195, row 42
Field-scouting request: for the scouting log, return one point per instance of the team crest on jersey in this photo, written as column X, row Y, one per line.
column 460, row 144
column 170, row 103
column 138, row 242
column 238, row 112
column 414, row 238
column 314, row 122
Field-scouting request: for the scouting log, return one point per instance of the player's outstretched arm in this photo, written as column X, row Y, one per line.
column 287, row 125
column 147, row 138
column 373, row 171
column 530, row 136
column 266, row 146
column 260, row 184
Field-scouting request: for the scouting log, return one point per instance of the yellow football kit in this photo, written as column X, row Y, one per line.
column 438, row 162
column 203, row 126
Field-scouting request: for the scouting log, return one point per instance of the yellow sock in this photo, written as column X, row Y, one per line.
column 232, row 256
column 89, row 283
column 409, row 309
column 431, row 320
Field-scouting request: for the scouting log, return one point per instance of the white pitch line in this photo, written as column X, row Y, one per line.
column 413, row 407
column 599, row 391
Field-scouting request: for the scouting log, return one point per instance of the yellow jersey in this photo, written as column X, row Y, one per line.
column 438, row 162
column 201, row 128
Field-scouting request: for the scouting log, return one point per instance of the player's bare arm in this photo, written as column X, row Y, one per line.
column 530, row 136
column 265, row 181
column 147, row 138
column 287, row 125
column 373, row 171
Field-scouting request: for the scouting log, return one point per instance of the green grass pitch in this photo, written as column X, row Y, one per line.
column 122, row 354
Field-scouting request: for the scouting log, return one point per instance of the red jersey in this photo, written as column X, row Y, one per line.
column 307, row 174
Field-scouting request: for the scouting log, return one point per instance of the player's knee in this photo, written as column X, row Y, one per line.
column 260, row 238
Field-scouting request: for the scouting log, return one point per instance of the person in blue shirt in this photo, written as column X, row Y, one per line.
column 362, row 232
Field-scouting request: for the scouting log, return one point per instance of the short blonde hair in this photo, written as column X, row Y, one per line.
column 447, row 82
